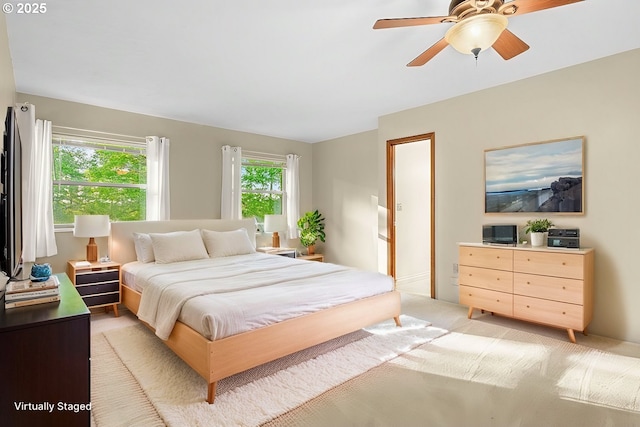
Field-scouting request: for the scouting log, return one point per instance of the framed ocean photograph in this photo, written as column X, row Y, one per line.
column 537, row 177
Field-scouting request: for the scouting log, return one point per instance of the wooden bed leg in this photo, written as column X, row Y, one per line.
column 397, row 320
column 211, row 392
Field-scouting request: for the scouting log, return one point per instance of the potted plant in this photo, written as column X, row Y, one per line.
column 537, row 228
column 311, row 226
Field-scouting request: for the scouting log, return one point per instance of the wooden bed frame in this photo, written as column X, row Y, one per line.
column 218, row 359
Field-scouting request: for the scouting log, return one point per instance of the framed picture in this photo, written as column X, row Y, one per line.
column 537, row 177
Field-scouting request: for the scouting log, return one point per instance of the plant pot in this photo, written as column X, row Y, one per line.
column 311, row 249
column 537, row 239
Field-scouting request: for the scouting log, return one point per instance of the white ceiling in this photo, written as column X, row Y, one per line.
column 298, row 69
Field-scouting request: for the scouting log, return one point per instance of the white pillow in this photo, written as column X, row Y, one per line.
column 178, row 246
column 227, row 243
column 144, row 248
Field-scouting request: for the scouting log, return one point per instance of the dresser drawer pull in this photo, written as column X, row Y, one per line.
column 470, row 295
column 528, row 283
column 497, row 300
column 564, row 287
column 564, row 263
column 497, row 278
column 564, row 312
column 528, row 307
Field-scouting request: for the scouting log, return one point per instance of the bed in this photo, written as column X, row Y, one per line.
column 225, row 351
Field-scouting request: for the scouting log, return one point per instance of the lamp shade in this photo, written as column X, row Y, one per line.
column 91, row 226
column 275, row 223
column 476, row 32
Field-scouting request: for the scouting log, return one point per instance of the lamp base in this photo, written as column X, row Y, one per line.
column 275, row 240
column 92, row 250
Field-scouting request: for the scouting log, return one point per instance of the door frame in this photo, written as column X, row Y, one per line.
column 391, row 202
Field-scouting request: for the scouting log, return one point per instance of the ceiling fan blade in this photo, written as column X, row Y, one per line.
column 408, row 22
column 509, row 45
column 426, row 56
column 528, row 6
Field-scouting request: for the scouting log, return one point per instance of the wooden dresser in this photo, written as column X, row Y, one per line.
column 45, row 360
column 548, row 286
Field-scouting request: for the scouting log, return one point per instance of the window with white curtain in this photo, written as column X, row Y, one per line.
column 263, row 187
column 98, row 175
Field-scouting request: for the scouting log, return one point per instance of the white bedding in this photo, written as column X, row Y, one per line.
column 219, row 297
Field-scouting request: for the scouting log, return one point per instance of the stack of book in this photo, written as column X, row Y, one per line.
column 20, row 294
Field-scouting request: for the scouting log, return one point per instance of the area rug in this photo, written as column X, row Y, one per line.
column 251, row 398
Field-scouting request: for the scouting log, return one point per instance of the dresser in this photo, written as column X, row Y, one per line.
column 44, row 360
column 549, row 286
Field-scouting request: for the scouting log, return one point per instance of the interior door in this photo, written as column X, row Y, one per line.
column 411, row 211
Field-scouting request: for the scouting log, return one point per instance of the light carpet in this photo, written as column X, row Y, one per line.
column 258, row 395
column 480, row 375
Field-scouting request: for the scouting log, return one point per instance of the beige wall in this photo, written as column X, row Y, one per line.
column 195, row 159
column 345, row 191
column 7, row 82
column 599, row 99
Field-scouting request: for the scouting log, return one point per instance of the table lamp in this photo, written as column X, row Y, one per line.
column 273, row 224
column 91, row 226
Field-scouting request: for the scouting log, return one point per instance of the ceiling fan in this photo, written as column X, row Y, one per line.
column 478, row 25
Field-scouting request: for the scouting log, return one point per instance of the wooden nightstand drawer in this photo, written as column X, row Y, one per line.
column 549, row 264
column 85, row 277
column 102, row 299
column 551, row 288
column 550, row 312
column 497, row 259
column 497, row 280
column 101, row 288
column 496, row 302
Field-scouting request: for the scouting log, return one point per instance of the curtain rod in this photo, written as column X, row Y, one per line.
column 259, row 153
column 139, row 138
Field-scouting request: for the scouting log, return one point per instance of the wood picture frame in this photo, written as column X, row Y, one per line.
column 545, row 177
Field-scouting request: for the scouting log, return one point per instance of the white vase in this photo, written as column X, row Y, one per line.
column 537, row 239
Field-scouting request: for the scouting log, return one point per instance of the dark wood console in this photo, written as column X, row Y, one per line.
column 44, row 360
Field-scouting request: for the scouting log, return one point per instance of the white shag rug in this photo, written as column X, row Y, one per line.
column 178, row 393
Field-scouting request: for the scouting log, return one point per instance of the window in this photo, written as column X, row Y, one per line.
column 98, row 176
column 262, row 180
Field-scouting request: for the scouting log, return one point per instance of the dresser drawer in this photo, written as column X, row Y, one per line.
column 497, row 259
column 83, row 278
column 101, row 288
column 493, row 301
column 549, row 264
column 554, row 313
column 497, row 280
column 551, row 288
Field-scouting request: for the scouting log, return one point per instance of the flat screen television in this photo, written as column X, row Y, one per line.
column 11, row 198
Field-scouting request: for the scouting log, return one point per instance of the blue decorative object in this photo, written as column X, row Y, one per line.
column 40, row 272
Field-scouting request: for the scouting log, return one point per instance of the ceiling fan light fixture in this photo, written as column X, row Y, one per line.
column 476, row 32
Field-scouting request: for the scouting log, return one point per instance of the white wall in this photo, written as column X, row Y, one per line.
column 195, row 160
column 600, row 100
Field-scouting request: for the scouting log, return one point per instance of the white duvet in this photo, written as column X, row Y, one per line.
column 219, row 297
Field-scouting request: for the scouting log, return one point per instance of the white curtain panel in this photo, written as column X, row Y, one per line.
column 158, row 194
column 292, row 192
column 231, row 196
column 38, row 237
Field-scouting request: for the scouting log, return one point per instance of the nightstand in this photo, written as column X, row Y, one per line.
column 314, row 257
column 98, row 283
column 288, row 252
